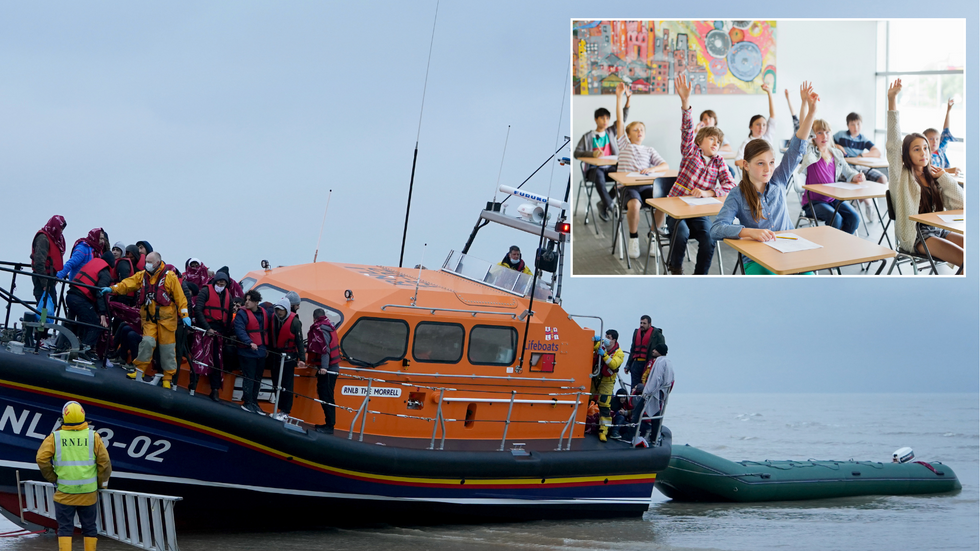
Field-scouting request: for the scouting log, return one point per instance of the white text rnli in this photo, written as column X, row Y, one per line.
column 380, row 392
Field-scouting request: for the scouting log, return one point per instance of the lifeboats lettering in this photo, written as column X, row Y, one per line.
column 539, row 346
column 382, row 392
column 16, row 420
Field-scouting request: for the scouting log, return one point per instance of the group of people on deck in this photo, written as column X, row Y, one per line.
column 633, row 414
column 128, row 306
column 754, row 202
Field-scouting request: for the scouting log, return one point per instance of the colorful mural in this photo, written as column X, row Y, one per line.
column 718, row 57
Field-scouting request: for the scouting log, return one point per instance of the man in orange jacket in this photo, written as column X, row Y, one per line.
column 161, row 301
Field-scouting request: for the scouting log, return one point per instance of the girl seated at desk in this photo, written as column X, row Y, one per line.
column 919, row 188
column 759, row 200
column 824, row 164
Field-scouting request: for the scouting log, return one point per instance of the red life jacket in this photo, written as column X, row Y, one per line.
column 285, row 340
column 54, row 262
column 216, row 309
column 89, row 275
column 150, row 293
column 605, row 370
column 258, row 334
column 115, row 269
column 141, row 263
column 316, row 345
column 641, row 343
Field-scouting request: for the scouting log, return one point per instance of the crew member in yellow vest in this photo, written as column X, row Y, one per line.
column 609, row 356
column 161, row 302
column 75, row 459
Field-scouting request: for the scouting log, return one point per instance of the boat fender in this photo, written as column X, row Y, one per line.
column 903, row 455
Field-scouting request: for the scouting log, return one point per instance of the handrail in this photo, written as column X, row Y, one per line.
column 440, row 375
column 142, row 520
column 568, row 426
column 433, row 310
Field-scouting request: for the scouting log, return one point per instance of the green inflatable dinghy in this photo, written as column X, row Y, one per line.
column 696, row 475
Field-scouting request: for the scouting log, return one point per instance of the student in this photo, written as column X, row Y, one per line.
column 635, row 157
column 918, row 187
column 759, row 201
column 854, row 144
column 824, row 164
column 938, row 142
column 708, row 119
column 702, row 174
column 759, row 128
column 597, row 143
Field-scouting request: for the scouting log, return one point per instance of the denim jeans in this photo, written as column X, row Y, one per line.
column 697, row 228
column 597, row 175
column 847, row 219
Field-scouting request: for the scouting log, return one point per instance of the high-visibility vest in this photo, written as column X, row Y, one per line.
column 74, row 461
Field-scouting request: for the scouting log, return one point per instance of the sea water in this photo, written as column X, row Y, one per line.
column 938, row 427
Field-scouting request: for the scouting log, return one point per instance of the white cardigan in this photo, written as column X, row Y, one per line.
column 905, row 191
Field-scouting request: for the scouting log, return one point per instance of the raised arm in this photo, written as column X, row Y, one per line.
column 806, row 120
column 789, row 102
column 620, row 88
column 772, row 107
column 893, row 142
column 683, row 90
column 949, row 107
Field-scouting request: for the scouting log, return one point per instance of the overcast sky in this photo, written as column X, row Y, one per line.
column 216, row 129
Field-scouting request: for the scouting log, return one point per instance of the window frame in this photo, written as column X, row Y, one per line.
column 462, row 344
column 469, row 348
column 408, row 331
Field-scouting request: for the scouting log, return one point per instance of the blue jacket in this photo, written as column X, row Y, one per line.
column 241, row 321
column 80, row 256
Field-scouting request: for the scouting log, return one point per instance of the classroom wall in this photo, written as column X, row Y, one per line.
column 805, row 50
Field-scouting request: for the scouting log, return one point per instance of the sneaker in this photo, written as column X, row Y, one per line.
column 215, row 396
column 634, row 247
column 191, row 392
column 280, row 416
column 254, row 408
column 324, row 429
column 614, row 434
column 601, row 211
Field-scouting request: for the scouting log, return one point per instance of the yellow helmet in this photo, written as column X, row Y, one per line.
column 73, row 413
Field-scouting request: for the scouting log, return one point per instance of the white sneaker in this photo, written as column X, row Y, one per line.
column 634, row 247
column 653, row 249
column 280, row 416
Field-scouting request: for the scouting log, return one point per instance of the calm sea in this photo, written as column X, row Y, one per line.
column 939, row 427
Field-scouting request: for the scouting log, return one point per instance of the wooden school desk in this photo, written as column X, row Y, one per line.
column 933, row 219
column 676, row 208
column 599, row 161
column 625, row 181
column 871, row 190
column 838, row 249
column 869, row 162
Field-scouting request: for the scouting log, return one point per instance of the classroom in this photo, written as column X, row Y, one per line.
column 848, row 67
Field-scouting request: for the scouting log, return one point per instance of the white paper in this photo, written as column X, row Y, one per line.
column 641, row 176
column 608, row 157
column 951, row 218
column 695, row 201
column 792, row 245
column 842, row 185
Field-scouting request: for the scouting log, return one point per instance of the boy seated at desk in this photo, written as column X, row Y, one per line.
column 938, row 142
column 702, row 174
column 635, row 157
column 853, row 143
column 597, row 143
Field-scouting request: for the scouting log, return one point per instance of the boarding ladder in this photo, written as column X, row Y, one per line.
column 145, row 521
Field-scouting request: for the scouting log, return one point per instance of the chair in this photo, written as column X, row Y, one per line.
column 589, row 188
column 620, row 214
column 661, row 187
column 914, row 258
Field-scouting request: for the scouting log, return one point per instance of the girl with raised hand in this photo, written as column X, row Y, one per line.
column 759, row 128
column 917, row 187
column 823, row 163
column 759, row 200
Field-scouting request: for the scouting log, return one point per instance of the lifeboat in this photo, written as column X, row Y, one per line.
column 462, row 396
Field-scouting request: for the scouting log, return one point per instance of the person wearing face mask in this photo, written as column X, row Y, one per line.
column 287, row 338
column 162, row 302
column 514, row 261
column 213, row 313
column 609, row 356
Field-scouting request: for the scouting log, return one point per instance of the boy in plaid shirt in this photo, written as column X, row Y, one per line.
column 702, row 174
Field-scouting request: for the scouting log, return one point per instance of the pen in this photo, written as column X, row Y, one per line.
column 957, row 219
column 785, row 237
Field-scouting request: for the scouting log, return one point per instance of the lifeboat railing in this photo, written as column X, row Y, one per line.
column 142, row 520
column 434, row 310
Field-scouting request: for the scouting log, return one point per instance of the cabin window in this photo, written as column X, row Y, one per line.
column 492, row 345
column 271, row 293
column 438, row 342
column 375, row 340
column 247, row 284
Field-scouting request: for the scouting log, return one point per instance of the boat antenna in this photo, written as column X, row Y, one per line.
column 329, row 193
column 415, row 156
column 496, row 186
column 419, row 280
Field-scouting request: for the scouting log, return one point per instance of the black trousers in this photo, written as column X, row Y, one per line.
column 324, row 391
column 288, row 374
column 65, row 514
column 636, row 368
column 84, row 311
column 252, row 371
